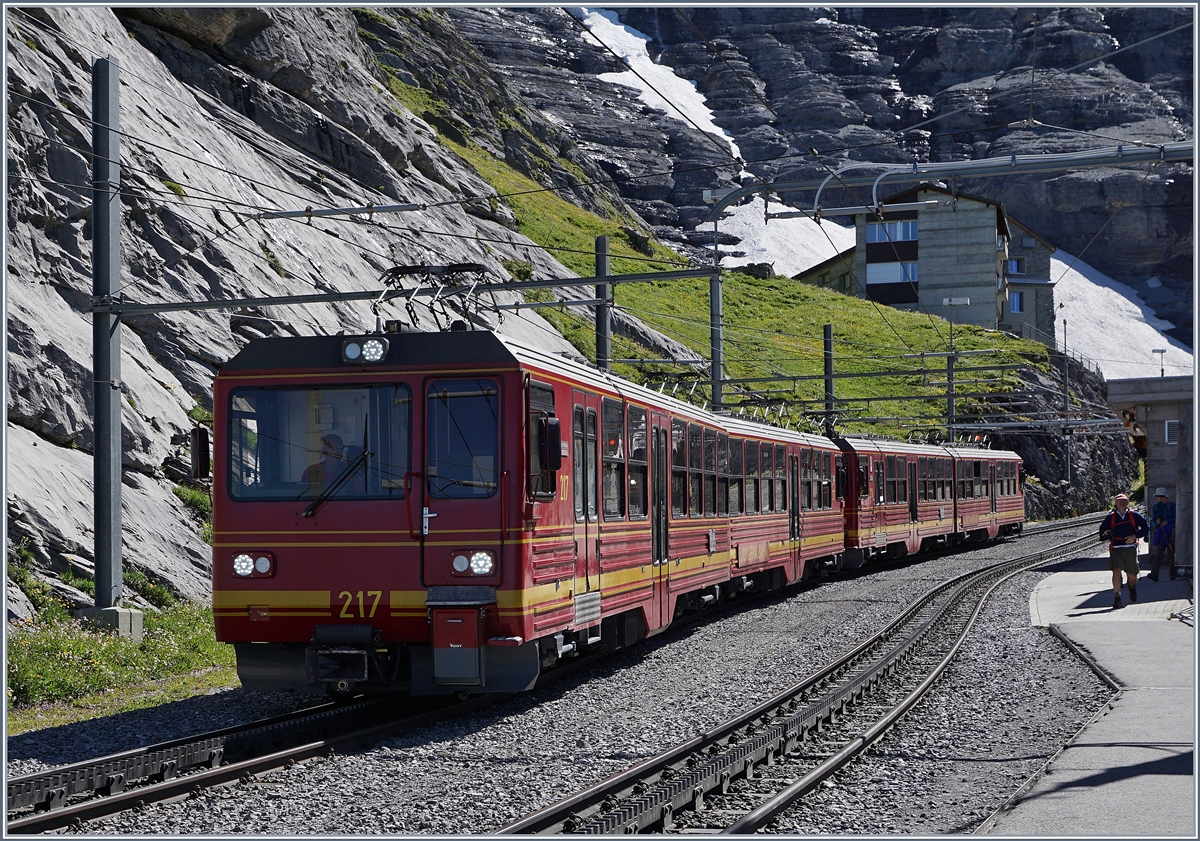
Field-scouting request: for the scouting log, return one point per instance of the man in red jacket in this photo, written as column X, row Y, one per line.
column 1122, row 528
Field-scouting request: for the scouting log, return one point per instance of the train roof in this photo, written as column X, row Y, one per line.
column 859, row 444
column 288, row 353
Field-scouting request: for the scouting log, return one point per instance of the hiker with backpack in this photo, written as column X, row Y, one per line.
column 1162, row 543
column 1122, row 528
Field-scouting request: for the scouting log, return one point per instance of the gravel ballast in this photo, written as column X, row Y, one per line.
column 1012, row 699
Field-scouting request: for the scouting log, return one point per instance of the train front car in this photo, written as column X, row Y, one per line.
column 365, row 514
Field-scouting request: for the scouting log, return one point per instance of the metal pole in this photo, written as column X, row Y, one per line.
column 1066, row 402
column 603, row 310
column 106, row 330
column 716, row 317
column 106, row 354
column 828, row 380
column 950, row 395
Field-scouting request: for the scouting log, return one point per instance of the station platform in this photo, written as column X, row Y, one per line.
column 1131, row 771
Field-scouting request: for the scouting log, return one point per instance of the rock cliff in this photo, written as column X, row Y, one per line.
column 228, row 112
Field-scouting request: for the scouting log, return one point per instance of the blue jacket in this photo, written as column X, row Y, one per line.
column 1164, row 531
column 1117, row 529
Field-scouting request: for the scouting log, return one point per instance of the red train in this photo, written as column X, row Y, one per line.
column 454, row 512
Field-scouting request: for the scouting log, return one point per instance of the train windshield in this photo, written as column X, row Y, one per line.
column 298, row 443
column 462, row 438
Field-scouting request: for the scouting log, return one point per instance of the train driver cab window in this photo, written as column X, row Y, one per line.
column 613, row 452
column 751, row 477
column 679, row 479
column 462, row 439
column 638, row 465
column 300, row 443
column 542, row 476
column 840, row 477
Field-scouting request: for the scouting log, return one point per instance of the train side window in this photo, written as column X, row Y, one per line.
column 901, row 479
column 840, row 477
column 751, row 477
column 977, row 478
column 577, row 458
column 922, row 494
column 710, row 472
column 695, row 469
column 805, row 480
column 722, row 474
column 864, row 477
column 890, row 479
column 638, row 468
column 735, row 477
column 613, row 453
column 780, row 478
column 679, row 477
column 542, row 479
column 590, row 458
column 826, row 490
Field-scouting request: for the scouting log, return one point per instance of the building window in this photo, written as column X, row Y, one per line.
column 1028, row 242
column 892, row 283
column 1172, row 431
column 1014, row 267
column 892, row 231
column 1016, row 302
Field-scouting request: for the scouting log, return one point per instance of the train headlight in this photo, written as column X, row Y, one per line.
column 482, row 563
column 243, row 565
column 262, row 564
column 461, row 563
column 364, row 351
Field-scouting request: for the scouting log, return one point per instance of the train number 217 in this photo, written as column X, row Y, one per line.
column 349, row 598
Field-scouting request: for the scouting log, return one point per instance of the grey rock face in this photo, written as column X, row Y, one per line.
column 226, row 113
column 861, row 84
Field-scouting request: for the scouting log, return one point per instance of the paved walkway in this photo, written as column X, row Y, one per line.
column 1131, row 772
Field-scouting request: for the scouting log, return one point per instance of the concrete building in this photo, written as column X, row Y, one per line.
column 1028, row 309
column 915, row 259
column 1158, row 412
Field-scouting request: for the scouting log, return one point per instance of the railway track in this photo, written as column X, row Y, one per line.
column 74, row 794
column 736, row 777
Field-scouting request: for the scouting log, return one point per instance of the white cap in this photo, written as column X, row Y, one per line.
column 1160, row 491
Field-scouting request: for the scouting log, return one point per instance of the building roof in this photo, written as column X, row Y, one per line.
column 836, row 259
column 1025, row 229
column 911, row 194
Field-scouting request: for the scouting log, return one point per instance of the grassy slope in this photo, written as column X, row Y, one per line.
column 771, row 326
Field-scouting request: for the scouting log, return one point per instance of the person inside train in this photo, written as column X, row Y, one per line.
column 1122, row 528
column 1162, row 542
column 329, row 468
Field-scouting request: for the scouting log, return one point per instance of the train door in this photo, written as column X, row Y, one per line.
column 912, row 490
column 456, row 504
column 586, row 489
column 660, row 488
column 991, row 488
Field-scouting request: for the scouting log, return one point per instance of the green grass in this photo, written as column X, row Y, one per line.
column 201, row 414
column 54, row 661
column 772, row 326
column 174, row 187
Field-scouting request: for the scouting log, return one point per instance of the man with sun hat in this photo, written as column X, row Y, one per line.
column 1122, row 528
